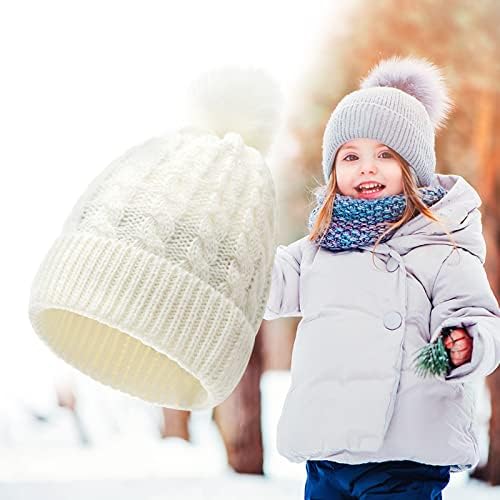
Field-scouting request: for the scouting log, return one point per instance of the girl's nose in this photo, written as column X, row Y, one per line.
column 368, row 167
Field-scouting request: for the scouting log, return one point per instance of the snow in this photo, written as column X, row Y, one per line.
column 243, row 488
column 42, row 456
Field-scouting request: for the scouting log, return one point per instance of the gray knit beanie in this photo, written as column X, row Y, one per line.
column 401, row 103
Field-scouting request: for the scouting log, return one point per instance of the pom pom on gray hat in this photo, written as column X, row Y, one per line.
column 158, row 282
column 402, row 103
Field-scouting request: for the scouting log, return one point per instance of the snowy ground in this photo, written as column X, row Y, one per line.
column 244, row 487
column 42, row 459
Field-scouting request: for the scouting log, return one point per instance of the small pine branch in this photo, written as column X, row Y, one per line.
column 433, row 359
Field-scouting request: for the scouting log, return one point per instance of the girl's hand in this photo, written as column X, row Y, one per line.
column 459, row 344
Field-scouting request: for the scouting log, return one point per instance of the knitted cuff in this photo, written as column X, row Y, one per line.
column 91, row 303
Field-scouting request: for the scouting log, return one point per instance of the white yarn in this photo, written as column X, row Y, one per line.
column 158, row 283
column 235, row 99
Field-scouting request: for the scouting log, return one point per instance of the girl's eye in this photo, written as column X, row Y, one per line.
column 348, row 157
column 387, row 153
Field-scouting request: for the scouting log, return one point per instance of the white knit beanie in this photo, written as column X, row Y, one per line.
column 158, row 283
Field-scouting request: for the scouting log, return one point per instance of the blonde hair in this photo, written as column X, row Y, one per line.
column 414, row 205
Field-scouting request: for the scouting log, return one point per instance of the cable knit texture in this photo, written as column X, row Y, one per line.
column 358, row 222
column 158, row 283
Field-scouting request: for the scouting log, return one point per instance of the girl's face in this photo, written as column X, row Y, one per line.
column 363, row 162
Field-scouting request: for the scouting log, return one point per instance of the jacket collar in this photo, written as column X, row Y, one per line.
column 458, row 210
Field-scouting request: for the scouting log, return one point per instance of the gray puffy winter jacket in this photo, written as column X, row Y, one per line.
column 354, row 395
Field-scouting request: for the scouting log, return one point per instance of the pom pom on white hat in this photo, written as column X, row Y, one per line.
column 158, row 282
column 230, row 99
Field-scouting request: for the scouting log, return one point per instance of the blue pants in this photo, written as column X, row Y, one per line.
column 396, row 479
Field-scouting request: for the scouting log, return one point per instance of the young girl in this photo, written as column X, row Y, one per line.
column 393, row 260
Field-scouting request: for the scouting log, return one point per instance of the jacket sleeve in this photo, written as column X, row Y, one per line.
column 284, row 299
column 462, row 297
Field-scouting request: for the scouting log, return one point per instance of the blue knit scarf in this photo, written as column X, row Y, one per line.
column 359, row 222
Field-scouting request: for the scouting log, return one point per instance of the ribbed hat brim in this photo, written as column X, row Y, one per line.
column 139, row 323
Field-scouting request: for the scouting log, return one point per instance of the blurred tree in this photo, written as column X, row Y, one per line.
column 237, row 418
column 462, row 37
column 488, row 154
column 175, row 423
column 66, row 398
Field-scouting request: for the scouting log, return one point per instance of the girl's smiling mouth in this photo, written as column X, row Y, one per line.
column 369, row 189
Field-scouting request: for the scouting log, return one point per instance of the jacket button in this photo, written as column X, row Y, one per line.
column 392, row 264
column 393, row 320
